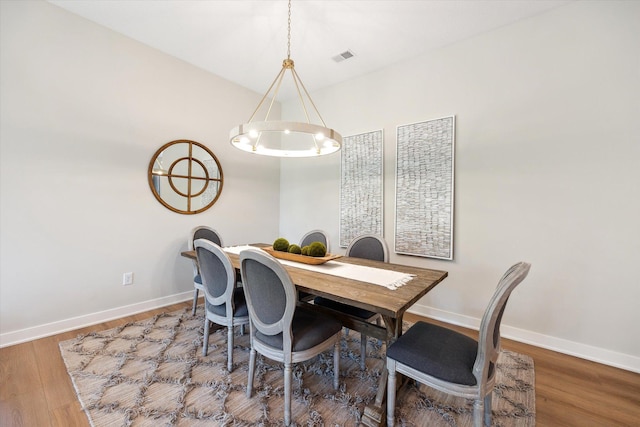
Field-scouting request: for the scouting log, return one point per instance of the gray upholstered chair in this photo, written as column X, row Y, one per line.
column 225, row 303
column 367, row 246
column 315, row 236
column 281, row 330
column 451, row 362
column 200, row 232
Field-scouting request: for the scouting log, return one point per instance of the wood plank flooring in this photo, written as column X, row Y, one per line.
column 35, row 389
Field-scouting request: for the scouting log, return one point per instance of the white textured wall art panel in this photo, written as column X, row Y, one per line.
column 424, row 188
column 361, row 189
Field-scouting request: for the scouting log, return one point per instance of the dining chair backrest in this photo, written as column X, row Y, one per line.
column 200, row 232
column 315, row 236
column 217, row 272
column 489, row 334
column 204, row 232
column 369, row 246
column 271, row 295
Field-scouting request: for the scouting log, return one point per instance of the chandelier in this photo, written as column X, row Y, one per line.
column 286, row 138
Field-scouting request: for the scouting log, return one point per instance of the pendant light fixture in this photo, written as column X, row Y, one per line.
column 286, row 138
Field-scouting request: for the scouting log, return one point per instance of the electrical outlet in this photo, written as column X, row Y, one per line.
column 127, row 279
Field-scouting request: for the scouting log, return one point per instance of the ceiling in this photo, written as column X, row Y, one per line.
column 245, row 41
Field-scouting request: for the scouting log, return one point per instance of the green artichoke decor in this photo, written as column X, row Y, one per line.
column 281, row 244
column 317, row 249
column 314, row 249
column 295, row 249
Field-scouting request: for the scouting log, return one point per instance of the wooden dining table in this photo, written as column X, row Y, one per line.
column 391, row 304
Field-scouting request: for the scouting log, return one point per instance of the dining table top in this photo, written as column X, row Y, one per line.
column 380, row 299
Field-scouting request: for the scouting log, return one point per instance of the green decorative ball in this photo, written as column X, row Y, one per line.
column 281, row 244
column 295, row 249
column 317, row 249
column 305, row 250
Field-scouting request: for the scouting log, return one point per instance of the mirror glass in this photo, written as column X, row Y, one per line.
column 185, row 176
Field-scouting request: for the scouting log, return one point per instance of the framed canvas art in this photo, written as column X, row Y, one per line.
column 424, row 188
column 361, row 186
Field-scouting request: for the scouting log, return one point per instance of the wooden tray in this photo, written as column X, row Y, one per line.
column 300, row 258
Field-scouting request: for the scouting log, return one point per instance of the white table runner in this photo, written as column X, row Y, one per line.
column 377, row 276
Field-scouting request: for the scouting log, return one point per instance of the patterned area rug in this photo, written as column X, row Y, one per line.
column 152, row 373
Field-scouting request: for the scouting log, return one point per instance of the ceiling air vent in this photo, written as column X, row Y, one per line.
column 344, row 55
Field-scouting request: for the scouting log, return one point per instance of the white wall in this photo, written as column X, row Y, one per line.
column 547, row 165
column 83, row 109
column 547, row 171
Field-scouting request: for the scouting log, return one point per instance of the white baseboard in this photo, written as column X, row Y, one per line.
column 583, row 351
column 53, row 328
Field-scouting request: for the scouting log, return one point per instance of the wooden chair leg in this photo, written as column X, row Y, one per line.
column 205, row 337
column 230, row 348
column 336, row 365
column 252, row 368
column 487, row 409
column 363, row 351
column 391, row 392
column 195, row 301
column 287, row 393
column 478, row 412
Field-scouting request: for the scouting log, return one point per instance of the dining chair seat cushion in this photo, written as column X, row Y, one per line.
column 437, row 351
column 197, row 280
column 239, row 304
column 344, row 308
column 309, row 328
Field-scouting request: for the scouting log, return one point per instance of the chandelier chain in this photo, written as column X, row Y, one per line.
column 289, row 33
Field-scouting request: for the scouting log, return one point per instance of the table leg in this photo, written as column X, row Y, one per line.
column 375, row 415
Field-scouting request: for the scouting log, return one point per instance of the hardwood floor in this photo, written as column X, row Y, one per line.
column 35, row 389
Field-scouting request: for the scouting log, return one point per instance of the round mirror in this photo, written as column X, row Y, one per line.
column 185, row 176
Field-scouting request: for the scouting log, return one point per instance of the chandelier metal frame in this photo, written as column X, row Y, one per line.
column 319, row 139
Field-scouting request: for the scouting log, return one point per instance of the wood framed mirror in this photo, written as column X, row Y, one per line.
column 185, row 176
